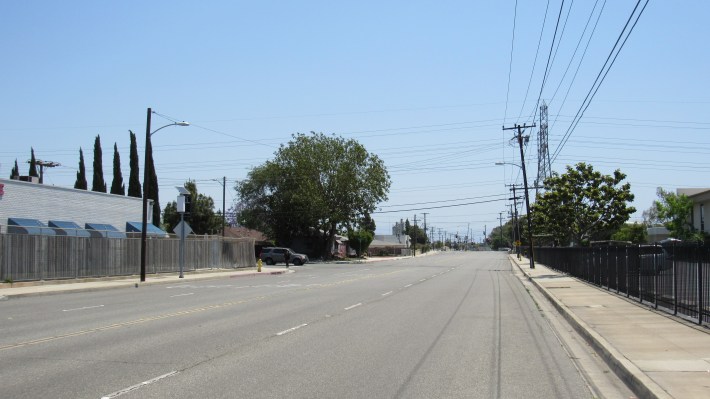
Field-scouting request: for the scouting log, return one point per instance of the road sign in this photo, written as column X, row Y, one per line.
column 178, row 230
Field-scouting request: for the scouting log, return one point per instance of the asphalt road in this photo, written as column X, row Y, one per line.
column 457, row 325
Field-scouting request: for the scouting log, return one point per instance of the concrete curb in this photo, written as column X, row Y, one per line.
column 642, row 385
column 102, row 285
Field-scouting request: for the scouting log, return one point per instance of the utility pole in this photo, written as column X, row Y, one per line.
column 415, row 234
column 44, row 164
column 425, row 230
column 512, row 221
column 224, row 210
column 500, row 221
column 516, row 225
column 520, row 138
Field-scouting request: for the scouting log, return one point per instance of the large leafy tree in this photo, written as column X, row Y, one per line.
column 316, row 183
column 134, row 182
column 673, row 210
column 98, row 183
column 81, row 173
column 117, row 186
column 582, row 205
column 202, row 217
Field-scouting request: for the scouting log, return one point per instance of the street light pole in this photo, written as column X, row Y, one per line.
column 146, row 186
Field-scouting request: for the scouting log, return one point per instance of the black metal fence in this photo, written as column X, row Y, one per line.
column 673, row 277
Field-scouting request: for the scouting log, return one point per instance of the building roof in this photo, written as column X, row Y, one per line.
column 390, row 241
column 692, row 192
column 243, row 232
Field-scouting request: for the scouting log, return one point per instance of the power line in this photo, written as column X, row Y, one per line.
column 584, row 53
column 535, row 61
column 601, row 76
column 510, row 64
column 440, row 207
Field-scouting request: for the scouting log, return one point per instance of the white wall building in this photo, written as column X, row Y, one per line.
column 19, row 199
column 699, row 196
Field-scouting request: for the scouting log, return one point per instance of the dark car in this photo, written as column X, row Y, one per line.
column 273, row 255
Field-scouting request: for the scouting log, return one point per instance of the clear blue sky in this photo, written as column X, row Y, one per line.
column 422, row 84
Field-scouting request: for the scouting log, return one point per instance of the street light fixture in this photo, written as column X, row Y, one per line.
column 146, row 185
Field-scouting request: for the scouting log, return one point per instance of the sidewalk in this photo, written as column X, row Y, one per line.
column 51, row 287
column 656, row 354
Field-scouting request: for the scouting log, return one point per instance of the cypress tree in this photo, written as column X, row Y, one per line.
column 134, row 182
column 15, row 174
column 81, row 174
column 98, row 183
column 153, row 189
column 117, row 186
column 33, row 165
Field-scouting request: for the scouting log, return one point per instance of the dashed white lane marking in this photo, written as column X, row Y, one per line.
column 84, row 308
column 292, row 329
column 175, row 296
column 387, row 293
column 142, row 384
column 354, row 306
column 408, row 285
column 422, row 280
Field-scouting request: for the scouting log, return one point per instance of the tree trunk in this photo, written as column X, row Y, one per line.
column 330, row 242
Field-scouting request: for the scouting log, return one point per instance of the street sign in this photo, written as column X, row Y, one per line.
column 178, row 230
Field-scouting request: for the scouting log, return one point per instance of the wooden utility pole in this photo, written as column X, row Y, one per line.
column 520, row 138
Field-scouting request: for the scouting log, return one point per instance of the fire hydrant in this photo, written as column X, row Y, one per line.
column 258, row 265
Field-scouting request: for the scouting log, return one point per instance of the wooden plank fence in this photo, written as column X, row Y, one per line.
column 35, row 257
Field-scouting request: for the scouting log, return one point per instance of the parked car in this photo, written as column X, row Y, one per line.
column 273, row 255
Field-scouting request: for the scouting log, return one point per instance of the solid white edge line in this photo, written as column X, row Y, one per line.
column 387, row 293
column 142, row 384
column 175, row 296
column 84, row 308
column 354, row 306
column 292, row 329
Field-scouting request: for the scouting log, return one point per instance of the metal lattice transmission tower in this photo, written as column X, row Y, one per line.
column 544, row 169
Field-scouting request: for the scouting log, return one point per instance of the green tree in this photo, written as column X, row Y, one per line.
column 117, row 186
column 582, row 205
column 360, row 240
column 15, row 173
column 315, row 183
column 98, row 184
column 635, row 233
column 366, row 223
column 674, row 210
column 152, row 192
column 134, row 182
column 81, row 173
column 202, row 217
column 505, row 239
column 33, row 165
column 416, row 233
